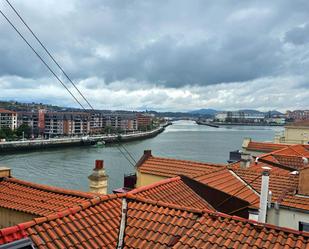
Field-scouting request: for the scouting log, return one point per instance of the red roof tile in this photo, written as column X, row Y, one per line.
column 37, row 199
column 265, row 147
column 173, row 167
column 172, row 190
column 6, row 111
column 155, row 226
column 224, row 231
column 258, row 167
column 150, row 224
column 290, row 157
column 283, row 187
column 226, row 181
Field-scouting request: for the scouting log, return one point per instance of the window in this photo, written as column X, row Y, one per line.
column 303, row 226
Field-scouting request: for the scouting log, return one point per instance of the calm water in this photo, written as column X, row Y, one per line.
column 70, row 167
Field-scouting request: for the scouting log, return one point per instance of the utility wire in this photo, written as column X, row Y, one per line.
column 133, row 159
column 125, row 156
column 42, row 60
column 247, row 184
column 46, row 50
column 49, row 68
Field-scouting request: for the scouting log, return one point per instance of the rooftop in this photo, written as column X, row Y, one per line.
column 149, row 224
column 6, row 111
column 173, row 167
column 172, row 190
column 264, row 147
column 244, row 184
column 228, row 182
column 291, row 157
column 37, row 199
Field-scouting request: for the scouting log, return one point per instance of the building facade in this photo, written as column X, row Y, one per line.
column 8, row 119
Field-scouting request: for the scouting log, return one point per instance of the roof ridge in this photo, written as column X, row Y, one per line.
column 162, row 203
column 226, row 167
column 150, row 186
column 292, row 148
column 191, row 161
column 272, row 152
column 72, row 210
column 53, row 189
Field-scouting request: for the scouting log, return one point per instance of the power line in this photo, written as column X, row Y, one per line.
column 48, row 67
column 125, row 156
column 62, row 70
column 46, row 50
column 238, row 191
column 128, row 152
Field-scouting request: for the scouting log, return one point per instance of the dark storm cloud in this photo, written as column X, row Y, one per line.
column 173, row 43
column 298, row 35
column 161, row 44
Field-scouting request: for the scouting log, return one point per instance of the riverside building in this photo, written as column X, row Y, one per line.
column 8, row 119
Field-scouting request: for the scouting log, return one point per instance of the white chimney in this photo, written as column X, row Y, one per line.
column 264, row 195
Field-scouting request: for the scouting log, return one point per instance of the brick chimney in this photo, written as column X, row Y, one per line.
column 245, row 160
column 98, row 179
column 303, row 182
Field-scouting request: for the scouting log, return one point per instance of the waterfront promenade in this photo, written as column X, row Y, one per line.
column 14, row 146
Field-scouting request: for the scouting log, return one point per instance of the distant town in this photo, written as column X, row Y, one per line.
column 37, row 120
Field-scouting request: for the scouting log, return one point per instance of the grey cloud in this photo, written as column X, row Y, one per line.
column 298, row 35
column 132, row 45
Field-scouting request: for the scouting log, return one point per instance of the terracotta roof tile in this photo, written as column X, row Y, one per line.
column 173, row 167
column 151, row 224
column 6, row 111
column 283, row 187
column 265, row 147
column 290, row 157
column 230, row 232
column 38, row 199
column 226, row 181
column 172, row 190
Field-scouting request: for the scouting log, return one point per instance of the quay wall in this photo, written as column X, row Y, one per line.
column 28, row 145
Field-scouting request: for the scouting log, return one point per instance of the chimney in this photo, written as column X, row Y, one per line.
column 245, row 160
column 303, row 183
column 5, row 172
column 245, row 143
column 98, row 179
column 147, row 153
column 264, row 195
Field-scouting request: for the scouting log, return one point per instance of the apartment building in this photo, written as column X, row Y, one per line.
column 144, row 120
column 298, row 115
column 8, row 119
column 66, row 123
column 239, row 117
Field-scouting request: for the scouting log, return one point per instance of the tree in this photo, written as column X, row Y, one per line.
column 24, row 131
column 6, row 133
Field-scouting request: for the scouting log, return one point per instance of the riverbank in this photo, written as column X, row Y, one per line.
column 246, row 124
column 28, row 145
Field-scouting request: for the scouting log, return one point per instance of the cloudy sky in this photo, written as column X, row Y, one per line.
column 161, row 54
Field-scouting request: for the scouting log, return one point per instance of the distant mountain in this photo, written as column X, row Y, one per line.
column 274, row 112
column 204, row 112
column 212, row 112
column 251, row 111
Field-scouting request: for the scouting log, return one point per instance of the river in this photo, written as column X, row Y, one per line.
column 69, row 167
